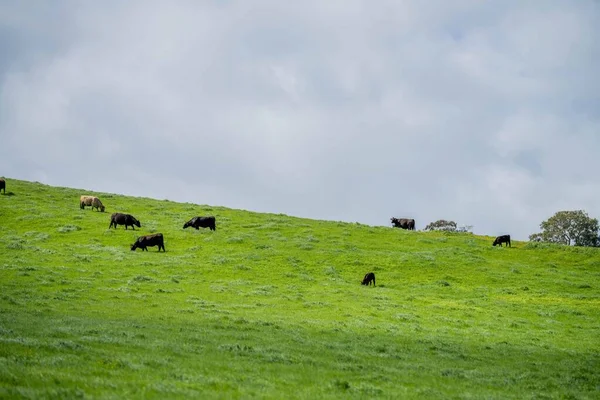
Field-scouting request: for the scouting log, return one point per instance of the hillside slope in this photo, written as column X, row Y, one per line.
column 271, row 306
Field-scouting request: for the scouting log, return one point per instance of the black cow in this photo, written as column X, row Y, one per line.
column 124, row 219
column 404, row 223
column 149, row 241
column 201, row 222
column 370, row 277
column 502, row 239
column 2, row 185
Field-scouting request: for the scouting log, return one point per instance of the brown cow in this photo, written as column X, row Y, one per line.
column 92, row 201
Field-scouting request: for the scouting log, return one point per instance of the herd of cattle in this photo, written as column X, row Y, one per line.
column 157, row 239
column 143, row 242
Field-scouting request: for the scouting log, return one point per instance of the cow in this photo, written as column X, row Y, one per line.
column 124, row 219
column 404, row 223
column 502, row 239
column 143, row 242
column 2, row 185
column 201, row 222
column 92, row 201
column 370, row 277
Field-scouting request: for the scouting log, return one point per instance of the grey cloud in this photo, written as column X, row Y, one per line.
column 481, row 113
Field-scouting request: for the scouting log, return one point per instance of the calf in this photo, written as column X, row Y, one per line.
column 370, row 277
column 124, row 219
column 502, row 239
column 2, row 185
column 201, row 222
column 149, row 241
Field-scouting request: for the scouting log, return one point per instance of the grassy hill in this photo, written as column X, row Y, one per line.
column 271, row 306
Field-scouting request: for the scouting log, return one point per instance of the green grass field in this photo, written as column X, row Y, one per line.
column 271, row 306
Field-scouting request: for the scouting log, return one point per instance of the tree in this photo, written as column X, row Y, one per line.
column 441, row 225
column 465, row 229
column 570, row 228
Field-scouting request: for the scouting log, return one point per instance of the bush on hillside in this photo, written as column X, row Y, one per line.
column 441, row 225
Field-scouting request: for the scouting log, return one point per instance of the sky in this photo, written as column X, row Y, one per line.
column 485, row 113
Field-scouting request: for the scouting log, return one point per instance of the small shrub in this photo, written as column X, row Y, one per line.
column 342, row 385
column 15, row 245
column 83, row 257
column 69, row 228
column 306, row 246
column 220, row 260
column 141, row 278
column 584, row 286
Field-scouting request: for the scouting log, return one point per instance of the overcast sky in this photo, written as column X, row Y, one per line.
column 486, row 113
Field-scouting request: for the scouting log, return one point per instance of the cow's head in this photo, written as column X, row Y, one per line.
column 186, row 225
column 102, row 208
column 134, row 246
column 137, row 223
column 496, row 241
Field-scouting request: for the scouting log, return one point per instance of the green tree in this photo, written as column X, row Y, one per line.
column 441, row 225
column 569, row 228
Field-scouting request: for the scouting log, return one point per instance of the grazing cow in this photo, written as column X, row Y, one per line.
column 404, row 223
column 502, row 239
column 201, row 222
column 92, row 201
column 143, row 242
column 2, row 185
column 124, row 219
column 370, row 277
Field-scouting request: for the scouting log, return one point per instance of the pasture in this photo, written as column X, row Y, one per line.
column 271, row 306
